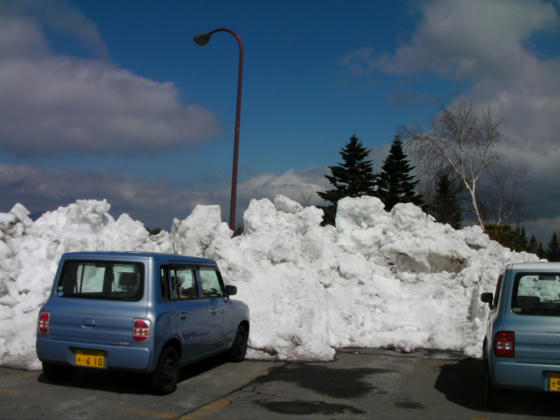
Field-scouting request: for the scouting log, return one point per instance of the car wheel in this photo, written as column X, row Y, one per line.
column 57, row 373
column 239, row 346
column 164, row 379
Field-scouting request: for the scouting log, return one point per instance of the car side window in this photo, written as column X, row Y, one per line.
column 180, row 283
column 497, row 292
column 212, row 285
column 164, row 281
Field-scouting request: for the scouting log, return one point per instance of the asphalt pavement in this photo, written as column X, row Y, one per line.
column 359, row 384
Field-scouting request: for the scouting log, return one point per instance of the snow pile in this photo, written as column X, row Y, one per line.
column 378, row 279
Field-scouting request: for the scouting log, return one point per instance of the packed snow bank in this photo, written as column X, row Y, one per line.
column 378, row 279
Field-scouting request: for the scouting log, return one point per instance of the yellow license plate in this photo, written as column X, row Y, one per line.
column 554, row 382
column 90, row 358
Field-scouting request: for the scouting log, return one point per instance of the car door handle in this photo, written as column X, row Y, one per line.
column 213, row 312
column 183, row 315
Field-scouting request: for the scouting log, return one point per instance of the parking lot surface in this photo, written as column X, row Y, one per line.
column 359, row 384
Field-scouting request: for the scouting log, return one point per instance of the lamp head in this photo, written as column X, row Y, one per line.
column 202, row 39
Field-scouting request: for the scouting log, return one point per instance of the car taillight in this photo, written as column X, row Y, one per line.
column 141, row 330
column 44, row 322
column 504, row 344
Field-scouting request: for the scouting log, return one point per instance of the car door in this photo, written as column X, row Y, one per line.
column 219, row 317
column 190, row 313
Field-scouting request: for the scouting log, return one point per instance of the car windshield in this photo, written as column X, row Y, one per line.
column 101, row 280
column 536, row 294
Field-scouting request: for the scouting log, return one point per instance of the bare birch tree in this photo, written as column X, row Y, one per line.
column 504, row 193
column 461, row 138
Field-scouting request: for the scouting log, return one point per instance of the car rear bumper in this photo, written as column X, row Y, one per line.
column 116, row 357
column 530, row 376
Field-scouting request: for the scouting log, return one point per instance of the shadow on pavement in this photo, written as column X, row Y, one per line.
column 326, row 380
column 462, row 382
column 131, row 382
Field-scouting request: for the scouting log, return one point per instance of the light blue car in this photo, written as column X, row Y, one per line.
column 142, row 312
column 522, row 345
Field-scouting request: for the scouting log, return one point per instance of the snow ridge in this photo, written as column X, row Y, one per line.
column 397, row 280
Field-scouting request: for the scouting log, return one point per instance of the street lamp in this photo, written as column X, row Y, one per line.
column 202, row 40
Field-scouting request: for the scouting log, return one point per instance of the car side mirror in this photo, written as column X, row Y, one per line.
column 231, row 290
column 487, row 298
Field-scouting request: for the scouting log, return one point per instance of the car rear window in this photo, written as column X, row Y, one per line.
column 536, row 294
column 101, row 280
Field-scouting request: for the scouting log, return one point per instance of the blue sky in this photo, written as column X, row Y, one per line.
column 114, row 100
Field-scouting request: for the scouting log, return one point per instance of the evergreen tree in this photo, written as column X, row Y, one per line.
column 445, row 207
column 503, row 234
column 523, row 239
column 154, row 231
column 541, row 253
column 515, row 240
column 395, row 183
column 519, row 239
column 353, row 177
column 533, row 246
column 553, row 251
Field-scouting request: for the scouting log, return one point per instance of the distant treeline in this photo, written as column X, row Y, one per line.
column 516, row 239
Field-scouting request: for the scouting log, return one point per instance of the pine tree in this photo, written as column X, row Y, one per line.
column 523, row 239
column 353, row 177
column 553, row 251
column 541, row 253
column 395, row 184
column 445, row 207
column 503, row 234
column 533, row 246
column 520, row 239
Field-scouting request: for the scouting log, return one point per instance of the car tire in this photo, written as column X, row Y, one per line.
column 492, row 395
column 239, row 346
column 57, row 373
column 165, row 377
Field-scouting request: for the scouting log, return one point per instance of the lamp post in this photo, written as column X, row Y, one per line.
column 202, row 40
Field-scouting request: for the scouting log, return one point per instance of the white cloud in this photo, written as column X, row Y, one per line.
column 60, row 16
column 463, row 39
column 52, row 104
column 156, row 203
column 300, row 186
column 485, row 43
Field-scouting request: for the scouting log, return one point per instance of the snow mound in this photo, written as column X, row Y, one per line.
column 397, row 280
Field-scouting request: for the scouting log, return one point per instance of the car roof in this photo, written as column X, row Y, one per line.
column 91, row 255
column 541, row 265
